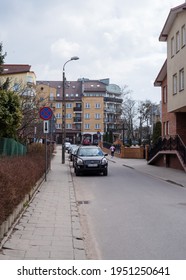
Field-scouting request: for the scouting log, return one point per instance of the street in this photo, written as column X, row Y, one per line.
column 131, row 215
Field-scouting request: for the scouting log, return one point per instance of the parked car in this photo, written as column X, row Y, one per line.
column 72, row 151
column 67, row 145
column 90, row 159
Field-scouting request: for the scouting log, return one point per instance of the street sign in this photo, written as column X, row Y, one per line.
column 46, row 127
column 45, row 113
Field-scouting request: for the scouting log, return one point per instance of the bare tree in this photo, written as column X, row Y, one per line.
column 144, row 111
column 129, row 114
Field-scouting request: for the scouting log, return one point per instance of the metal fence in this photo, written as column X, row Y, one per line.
column 10, row 147
column 169, row 144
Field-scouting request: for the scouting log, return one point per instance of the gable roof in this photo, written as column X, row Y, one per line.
column 161, row 75
column 14, row 68
column 170, row 20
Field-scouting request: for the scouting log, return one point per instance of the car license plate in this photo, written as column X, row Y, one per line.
column 92, row 165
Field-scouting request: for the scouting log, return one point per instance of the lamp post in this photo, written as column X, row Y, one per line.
column 64, row 110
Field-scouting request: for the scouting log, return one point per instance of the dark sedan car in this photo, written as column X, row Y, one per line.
column 90, row 159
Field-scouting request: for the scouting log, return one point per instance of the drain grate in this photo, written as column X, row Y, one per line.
column 83, row 202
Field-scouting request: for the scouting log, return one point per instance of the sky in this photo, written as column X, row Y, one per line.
column 115, row 39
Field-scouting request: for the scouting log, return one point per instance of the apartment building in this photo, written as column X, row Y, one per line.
column 172, row 80
column 93, row 92
column 113, row 109
column 89, row 107
column 51, row 94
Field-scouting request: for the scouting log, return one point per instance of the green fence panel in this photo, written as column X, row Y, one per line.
column 10, row 147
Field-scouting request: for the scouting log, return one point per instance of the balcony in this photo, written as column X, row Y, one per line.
column 77, row 119
column 110, row 110
column 113, row 99
column 77, row 109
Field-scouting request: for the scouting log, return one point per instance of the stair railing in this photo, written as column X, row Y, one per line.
column 169, row 144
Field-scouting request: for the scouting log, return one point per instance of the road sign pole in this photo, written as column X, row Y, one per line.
column 46, row 161
column 46, row 114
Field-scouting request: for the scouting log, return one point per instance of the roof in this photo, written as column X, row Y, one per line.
column 170, row 20
column 71, row 88
column 15, row 68
column 94, row 86
column 161, row 76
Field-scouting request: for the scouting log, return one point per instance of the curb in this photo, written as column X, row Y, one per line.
column 77, row 235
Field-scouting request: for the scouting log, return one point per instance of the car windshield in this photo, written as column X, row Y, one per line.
column 90, row 152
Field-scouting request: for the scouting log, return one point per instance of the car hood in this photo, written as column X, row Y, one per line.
column 91, row 158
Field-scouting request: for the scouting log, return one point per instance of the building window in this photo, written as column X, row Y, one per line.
column 177, row 41
column 181, row 79
column 183, row 36
column 68, row 105
column 87, row 126
column 175, row 84
column 97, row 105
column 58, row 105
column 68, row 125
column 172, row 46
column 165, row 94
column 97, row 116
column 87, row 116
column 167, row 127
column 51, row 96
column 58, row 116
column 97, row 126
column 16, row 87
column 87, row 105
column 68, row 116
column 58, row 125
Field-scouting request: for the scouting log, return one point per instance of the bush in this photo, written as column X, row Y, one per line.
column 18, row 175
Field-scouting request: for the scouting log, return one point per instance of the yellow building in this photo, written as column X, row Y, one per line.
column 86, row 102
column 21, row 78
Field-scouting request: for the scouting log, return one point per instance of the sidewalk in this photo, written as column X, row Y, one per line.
column 50, row 226
column 170, row 175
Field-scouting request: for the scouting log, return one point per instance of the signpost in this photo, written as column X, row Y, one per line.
column 45, row 114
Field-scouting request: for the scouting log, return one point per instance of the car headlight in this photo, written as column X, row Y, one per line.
column 104, row 161
column 79, row 161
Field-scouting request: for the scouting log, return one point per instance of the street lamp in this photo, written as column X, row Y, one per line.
column 64, row 110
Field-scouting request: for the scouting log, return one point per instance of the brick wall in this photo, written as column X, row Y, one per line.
column 181, row 125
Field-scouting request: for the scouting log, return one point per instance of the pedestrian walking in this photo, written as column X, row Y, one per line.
column 112, row 149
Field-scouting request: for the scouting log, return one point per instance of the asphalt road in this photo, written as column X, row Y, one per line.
column 130, row 215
